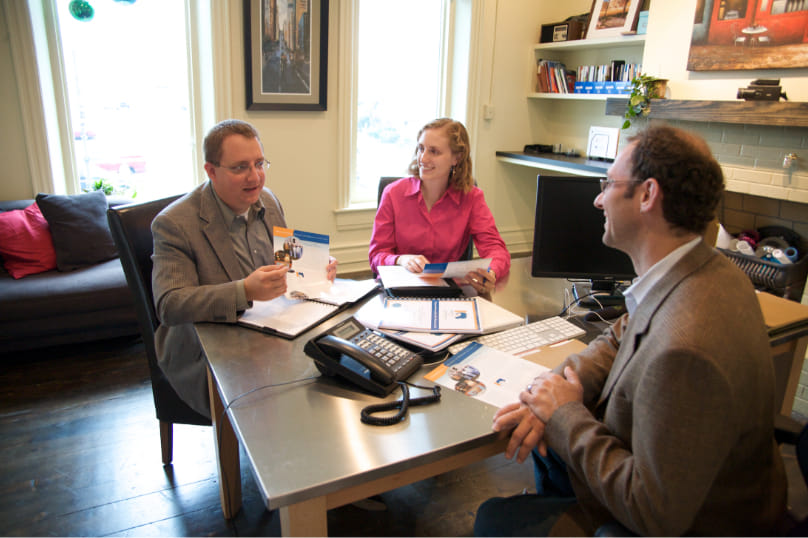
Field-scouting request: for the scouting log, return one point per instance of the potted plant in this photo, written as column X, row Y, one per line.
column 643, row 89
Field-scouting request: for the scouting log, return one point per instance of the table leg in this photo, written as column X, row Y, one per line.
column 227, row 456
column 307, row 518
column 792, row 356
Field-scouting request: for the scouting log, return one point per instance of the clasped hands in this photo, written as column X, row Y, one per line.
column 481, row 280
column 536, row 406
column 269, row 281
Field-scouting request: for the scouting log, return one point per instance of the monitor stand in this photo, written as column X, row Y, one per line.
column 604, row 291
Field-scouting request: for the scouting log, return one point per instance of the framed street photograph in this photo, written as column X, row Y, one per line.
column 286, row 54
column 610, row 18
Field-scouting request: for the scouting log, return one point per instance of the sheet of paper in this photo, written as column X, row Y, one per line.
column 487, row 374
column 395, row 276
column 455, row 269
column 306, row 254
column 346, row 291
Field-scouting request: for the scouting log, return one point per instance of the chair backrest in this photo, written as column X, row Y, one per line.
column 385, row 181
column 131, row 230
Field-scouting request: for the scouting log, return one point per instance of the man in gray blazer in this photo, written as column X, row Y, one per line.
column 213, row 254
column 664, row 423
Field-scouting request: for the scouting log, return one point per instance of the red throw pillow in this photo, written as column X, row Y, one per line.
column 25, row 242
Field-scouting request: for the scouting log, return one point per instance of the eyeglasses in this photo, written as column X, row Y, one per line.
column 244, row 168
column 605, row 183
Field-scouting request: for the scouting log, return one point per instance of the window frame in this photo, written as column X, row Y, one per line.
column 454, row 100
column 43, row 92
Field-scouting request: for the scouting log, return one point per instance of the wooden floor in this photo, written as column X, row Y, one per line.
column 80, row 456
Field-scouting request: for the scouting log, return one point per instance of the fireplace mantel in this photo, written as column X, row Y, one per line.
column 782, row 113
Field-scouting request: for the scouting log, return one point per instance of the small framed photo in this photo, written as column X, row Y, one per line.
column 610, row 18
column 286, row 54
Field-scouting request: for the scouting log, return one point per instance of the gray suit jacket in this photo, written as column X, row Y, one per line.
column 676, row 431
column 194, row 279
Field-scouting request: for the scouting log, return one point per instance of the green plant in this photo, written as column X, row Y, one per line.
column 643, row 89
column 103, row 185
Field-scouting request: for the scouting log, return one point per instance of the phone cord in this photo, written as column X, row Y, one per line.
column 402, row 405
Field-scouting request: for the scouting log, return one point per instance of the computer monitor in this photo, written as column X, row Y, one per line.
column 567, row 237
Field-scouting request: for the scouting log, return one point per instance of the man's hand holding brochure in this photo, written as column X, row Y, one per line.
column 310, row 296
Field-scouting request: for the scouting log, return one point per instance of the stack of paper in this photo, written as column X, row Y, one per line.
column 492, row 318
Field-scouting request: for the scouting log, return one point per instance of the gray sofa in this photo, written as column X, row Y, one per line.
column 54, row 307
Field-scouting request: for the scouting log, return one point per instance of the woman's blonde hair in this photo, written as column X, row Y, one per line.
column 460, row 177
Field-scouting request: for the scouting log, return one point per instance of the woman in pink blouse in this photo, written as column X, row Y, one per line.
column 430, row 216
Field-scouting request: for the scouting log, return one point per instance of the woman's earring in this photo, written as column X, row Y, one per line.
column 451, row 172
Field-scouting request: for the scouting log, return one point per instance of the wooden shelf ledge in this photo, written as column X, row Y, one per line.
column 782, row 113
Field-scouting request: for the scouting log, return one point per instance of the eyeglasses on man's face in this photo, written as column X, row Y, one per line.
column 606, row 183
column 245, row 168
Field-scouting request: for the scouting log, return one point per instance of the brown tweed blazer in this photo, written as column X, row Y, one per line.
column 676, row 432
column 194, row 279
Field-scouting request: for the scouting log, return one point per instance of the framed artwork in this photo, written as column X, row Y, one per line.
column 732, row 35
column 610, row 18
column 286, row 54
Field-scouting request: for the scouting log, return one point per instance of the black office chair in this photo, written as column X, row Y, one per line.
column 131, row 230
column 385, row 181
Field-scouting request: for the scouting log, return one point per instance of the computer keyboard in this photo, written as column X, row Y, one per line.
column 526, row 338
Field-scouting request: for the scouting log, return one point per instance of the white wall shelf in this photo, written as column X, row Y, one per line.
column 585, row 44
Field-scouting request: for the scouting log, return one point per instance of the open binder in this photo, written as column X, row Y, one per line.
column 288, row 317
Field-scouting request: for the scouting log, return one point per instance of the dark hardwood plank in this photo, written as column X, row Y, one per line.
column 80, row 456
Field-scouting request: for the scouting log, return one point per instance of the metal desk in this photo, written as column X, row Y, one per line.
column 306, row 446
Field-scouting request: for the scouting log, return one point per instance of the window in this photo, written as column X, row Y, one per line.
column 400, row 66
column 127, row 84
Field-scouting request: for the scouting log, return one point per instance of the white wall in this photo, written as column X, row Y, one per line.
column 302, row 145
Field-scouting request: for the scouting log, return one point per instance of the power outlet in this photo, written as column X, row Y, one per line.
column 488, row 112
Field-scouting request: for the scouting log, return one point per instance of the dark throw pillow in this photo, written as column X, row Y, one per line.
column 78, row 224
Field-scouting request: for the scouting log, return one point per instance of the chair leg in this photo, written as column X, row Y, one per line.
column 167, row 441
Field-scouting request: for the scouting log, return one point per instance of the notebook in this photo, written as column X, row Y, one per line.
column 288, row 317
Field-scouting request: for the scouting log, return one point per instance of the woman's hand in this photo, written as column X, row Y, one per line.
column 413, row 262
column 481, row 280
column 331, row 268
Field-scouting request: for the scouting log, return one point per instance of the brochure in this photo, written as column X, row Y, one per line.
column 306, row 255
column 455, row 269
column 487, row 374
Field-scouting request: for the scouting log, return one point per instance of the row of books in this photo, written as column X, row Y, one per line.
column 554, row 77
column 616, row 71
column 614, row 78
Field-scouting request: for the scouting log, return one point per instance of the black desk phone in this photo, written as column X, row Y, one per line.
column 363, row 356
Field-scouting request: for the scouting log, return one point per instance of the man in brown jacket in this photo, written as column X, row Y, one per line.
column 664, row 423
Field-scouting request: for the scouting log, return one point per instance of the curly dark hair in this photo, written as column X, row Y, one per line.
column 215, row 137
column 690, row 178
column 460, row 178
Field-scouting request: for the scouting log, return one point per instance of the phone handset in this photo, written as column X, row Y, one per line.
column 365, row 357
column 339, row 346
